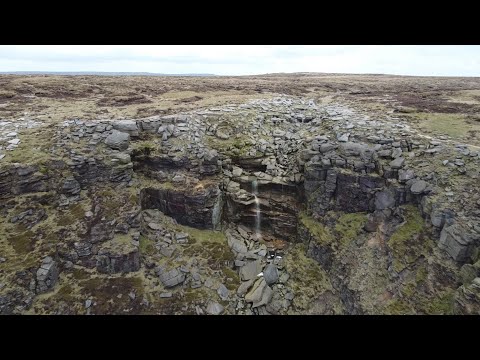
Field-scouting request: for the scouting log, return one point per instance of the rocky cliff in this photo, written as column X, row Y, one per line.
column 357, row 215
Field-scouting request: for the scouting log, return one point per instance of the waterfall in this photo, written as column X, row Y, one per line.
column 257, row 209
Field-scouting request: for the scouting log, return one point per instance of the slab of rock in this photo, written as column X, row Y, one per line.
column 236, row 172
column 397, row 163
column 250, row 270
column 384, row 200
column 126, row 126
column 115, row 256
column 244, row 287
column 261, row 294
column 118, row 140
column 171, row 278
column 47, row 275
column 71, row 187
column 405, row 175
column 236, row 244
column 223, row 292
column 270, row 273
column 457, row 242
column 122, row 158
column 255, row 294
column 214, row 308
column 418, row 187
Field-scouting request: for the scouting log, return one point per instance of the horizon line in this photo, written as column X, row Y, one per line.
column 146, row 73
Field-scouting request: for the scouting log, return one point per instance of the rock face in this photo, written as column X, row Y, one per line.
column 197, row 209
column 118, row 140
column 457, row 242
column 252, row 172
column 118, row 257
column 47, row 275
column 71, row 187
column 171, row 278
column 384, row 200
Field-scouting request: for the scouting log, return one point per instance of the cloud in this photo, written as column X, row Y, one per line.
column 448, row 60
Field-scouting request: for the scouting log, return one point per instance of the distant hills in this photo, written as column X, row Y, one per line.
column 97, row 73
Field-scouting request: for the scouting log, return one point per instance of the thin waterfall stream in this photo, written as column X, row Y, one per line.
column 258, row 215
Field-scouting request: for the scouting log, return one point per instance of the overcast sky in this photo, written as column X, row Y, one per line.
column 451, row 60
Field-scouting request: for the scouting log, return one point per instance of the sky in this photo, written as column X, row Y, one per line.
column 422, row 60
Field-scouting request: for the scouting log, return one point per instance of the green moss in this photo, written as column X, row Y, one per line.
column 320, row 233
column 146, row 246
column 80, row 274
column 409, row 242
column 398, row 307
column 34, row 147
column 144, row 148
column 167, row 185
column 231, row 279
column 440, row 305
column 22, row 243
column 65, row 293
column 421, row 275
column 234, row 146
column 409, row 289
column 307, row 278
column 66, row 220
column 201, row 236
column 349, row 226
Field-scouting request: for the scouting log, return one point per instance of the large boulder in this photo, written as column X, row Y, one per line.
column 118, row 140
column 270, row 273
column 384, row 200
column 118, row 256
column 457, row 242
column 127, row 126
column 171, row 277
column 47, row 275
column 250, row 270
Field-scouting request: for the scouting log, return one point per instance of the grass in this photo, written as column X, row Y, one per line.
column 349, row 226
column 33, row 148
column 146, row 246
column 454, row 125
column 23, row 243
column 144, row 148
column 409, row 242
column 307, row 278
column 320, row 233
column 398, row 307
column 234, row 146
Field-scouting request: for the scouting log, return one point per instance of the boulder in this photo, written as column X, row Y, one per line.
column 118, row 140
column 47, row 275
column 118, row 257
column 270, row 273
column 455, row 240
column 250, row 270
column 171, row 278
column 397, row 163
column 384, row 200
column 214, row 308
column 418, row 187
column 126, row 126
